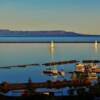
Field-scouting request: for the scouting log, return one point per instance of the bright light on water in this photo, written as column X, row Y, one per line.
column 28, row 53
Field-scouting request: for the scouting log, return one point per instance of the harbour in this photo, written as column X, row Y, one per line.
column 49, row 50
column 59, row 60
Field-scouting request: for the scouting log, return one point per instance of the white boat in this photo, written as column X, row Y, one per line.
column 87, row 70
column 86, row 67
column 80, row 68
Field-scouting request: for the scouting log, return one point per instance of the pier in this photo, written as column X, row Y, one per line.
column 20, row 65
column 60, row 63
column 35, row 64
column 91, row 61
column 5, row 86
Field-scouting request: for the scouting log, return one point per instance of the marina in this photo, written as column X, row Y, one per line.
column 60, row 67
column 49, row 49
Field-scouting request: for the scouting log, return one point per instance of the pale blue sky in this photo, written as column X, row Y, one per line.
column 70, row 15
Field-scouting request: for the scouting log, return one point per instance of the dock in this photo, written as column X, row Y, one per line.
column 60, row 63
column 20, row 65
column 35, row 64
column 91, row 61
column 5, row 86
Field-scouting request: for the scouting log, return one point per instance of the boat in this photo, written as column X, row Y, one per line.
column 87, row 71
column 60, row 62
column 54, row 72
column 89, row 67
column 62, row 73
column 79, row 68
column 92, row 76
column 51, row 72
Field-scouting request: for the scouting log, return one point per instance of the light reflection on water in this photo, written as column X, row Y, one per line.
column 27, row 53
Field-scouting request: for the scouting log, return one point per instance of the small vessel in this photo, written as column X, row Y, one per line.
column 87, row 67
column 92, row 76
column 62, row 73
column 87, row 71
column 52, row 72
column 79, row 68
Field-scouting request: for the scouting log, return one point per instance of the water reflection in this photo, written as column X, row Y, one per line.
column 55, row 69
column 12, row 54
column 52, row 51
column 96, row 47
column 52, row 48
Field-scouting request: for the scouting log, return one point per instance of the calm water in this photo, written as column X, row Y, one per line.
column 45, row 39
column 28, row 53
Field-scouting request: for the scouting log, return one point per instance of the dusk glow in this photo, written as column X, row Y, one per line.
column 70, row 15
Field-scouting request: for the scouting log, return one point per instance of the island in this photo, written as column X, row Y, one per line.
column 46, row 36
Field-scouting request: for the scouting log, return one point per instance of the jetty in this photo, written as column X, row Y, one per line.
column 91, row 61
column 35, row 64
column 20, row 65
column 5, row 86
column 60, row 63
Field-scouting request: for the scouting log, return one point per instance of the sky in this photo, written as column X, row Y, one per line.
column 82, row 16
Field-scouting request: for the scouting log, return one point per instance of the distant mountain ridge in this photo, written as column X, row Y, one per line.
column 9, row 33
